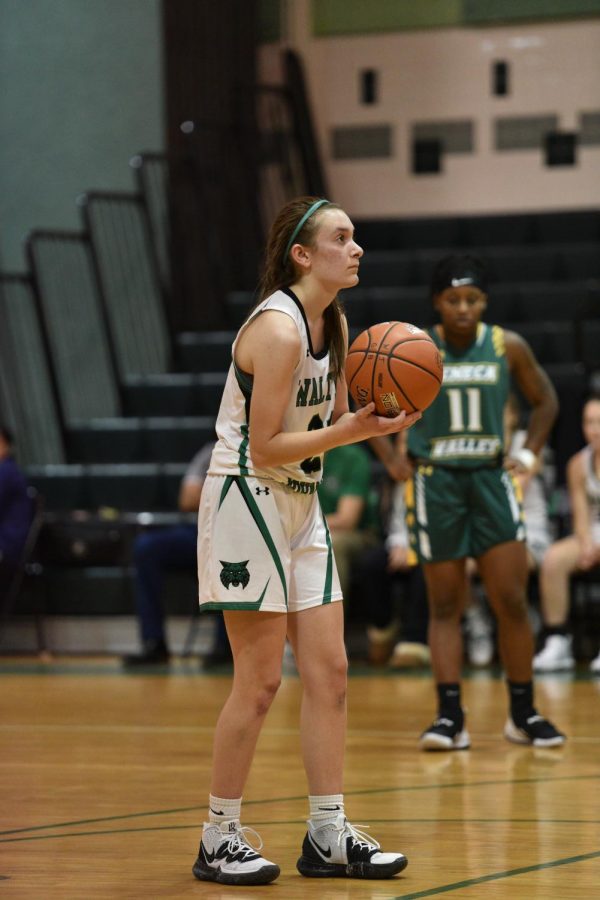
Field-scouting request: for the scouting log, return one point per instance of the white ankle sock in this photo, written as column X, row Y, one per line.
column 224, row 812
column 325, row 808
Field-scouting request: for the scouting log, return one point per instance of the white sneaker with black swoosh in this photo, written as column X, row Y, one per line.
column 339, row 850
column 228, row 858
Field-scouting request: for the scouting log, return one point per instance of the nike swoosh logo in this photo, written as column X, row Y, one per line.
column 214, row 811
column 329, row 808
column 209, row 857
column 325, row 853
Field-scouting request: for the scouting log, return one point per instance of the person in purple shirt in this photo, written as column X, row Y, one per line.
column 16, row 506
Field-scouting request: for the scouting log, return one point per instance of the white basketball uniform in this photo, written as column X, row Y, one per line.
column 592, row 489
column 263, row 542
column 538, row 534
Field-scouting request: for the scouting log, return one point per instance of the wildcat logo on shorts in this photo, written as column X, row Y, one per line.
column 235, row 573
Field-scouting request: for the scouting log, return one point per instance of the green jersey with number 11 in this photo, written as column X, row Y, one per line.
column 463, row 427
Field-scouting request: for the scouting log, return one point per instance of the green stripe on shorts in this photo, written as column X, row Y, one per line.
column 264, row 530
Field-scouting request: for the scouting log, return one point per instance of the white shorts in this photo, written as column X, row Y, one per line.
column 537, row 541
column 262, row 546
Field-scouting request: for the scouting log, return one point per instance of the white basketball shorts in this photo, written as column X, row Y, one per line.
column 263, row 547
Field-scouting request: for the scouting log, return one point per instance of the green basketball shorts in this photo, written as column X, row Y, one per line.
column 454, row 513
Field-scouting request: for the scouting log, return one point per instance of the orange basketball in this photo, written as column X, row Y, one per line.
column 396, row 365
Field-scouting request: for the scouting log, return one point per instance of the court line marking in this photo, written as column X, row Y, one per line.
column 208, row 729
column 278, row 822
column 496, row 876
column 302, row 797
column 181, row 669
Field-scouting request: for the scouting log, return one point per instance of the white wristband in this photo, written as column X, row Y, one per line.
column 526, row 457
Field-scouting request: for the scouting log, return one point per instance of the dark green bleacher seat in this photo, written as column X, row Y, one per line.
column 62, row 486
column 208, row 351
column 108, row 591
column 378, row 234
column 175, row 394
column 407, row 234
column 489, row 231
column 160, row 395
column 551, row 300
column 356, row 306
column 401, row 305
column 172, row 473
column 238, row 304
column 134, row 440
column 520, row 264
column 177, row 439
column 578, row 261
column 504, row 303
column 125, row 487
column 590, row 343
column 571, row 383
column 69, row 487
column 573, row 227
column 551, row 342
column 383, row 268
column 106, row 440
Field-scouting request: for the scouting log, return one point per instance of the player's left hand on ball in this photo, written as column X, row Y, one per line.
column 382, row 425
column 398, row 423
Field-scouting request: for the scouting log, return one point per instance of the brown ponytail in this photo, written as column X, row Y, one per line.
column 279, row 271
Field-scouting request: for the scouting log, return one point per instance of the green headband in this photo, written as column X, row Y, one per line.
column 312, row 209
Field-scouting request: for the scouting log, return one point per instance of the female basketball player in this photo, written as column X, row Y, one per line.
column 578, row 552
column 463, row 499
column 264, row 551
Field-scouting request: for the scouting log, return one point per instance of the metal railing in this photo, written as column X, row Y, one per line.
column 128, row 276
column 75, row 321
column 29, row 396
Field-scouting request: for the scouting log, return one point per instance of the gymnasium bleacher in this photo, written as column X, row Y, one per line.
column 113, row 402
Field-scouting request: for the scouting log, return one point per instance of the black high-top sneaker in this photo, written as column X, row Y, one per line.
column 445, row 734
column 338, row 850
column 228, row 858
column 533, row 729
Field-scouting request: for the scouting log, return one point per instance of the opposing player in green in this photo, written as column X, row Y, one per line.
column 463, row 499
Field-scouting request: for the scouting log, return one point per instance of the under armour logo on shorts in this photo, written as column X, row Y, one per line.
column 259, row 490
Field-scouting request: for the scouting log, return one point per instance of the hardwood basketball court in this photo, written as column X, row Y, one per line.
column 104, row 779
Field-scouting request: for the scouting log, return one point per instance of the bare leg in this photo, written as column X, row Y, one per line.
column 504, row 572
column 317, row 638
column 257, row 641
column 559, row 563
column 446, row 592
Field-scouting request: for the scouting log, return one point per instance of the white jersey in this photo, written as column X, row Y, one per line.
column 535, row 507
column 312, row 398
column 592, row 490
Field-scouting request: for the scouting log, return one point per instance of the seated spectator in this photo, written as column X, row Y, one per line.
column 480, row 645
column 349, row 505
column 16, row 509
column 155, row 552
column 579, row 552
column 380, row 571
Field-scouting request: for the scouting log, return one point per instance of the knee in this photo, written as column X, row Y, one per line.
column 555, row 564
column 337, row 679
column 445, row 608
column 513, row 604
column 328, row 681
column 264, row 694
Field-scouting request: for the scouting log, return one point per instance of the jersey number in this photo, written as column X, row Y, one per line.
column 313, row 463
column 455, row 399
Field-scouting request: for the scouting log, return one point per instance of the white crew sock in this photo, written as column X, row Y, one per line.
column 325, row 809
column 224, row 812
